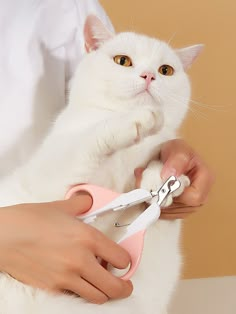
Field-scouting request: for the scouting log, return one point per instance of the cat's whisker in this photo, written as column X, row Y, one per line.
column 220, row 108
column 197, row 113
column 194, row 113
column 201, row 103
column 194, row 104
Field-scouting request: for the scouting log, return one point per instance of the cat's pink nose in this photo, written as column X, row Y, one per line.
column 148, row 76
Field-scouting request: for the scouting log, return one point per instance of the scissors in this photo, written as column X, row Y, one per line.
column 105, row 200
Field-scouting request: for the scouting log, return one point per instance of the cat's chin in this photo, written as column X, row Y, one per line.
column 146, row 97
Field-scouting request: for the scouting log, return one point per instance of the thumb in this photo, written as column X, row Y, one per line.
column 176, row 156
column 78, row 203
column 175, row 165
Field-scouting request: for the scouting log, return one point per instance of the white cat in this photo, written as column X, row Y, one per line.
column 129, row 95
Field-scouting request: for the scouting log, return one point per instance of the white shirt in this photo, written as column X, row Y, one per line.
column 41, row 42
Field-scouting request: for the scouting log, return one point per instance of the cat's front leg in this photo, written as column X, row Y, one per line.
column 113, row 134
column 67, row 158
column 110, row 136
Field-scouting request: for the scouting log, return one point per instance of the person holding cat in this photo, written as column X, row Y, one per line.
column 36, row 68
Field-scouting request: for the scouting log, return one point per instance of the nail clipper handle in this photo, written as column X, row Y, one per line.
column 134, row 245
column 100, row 196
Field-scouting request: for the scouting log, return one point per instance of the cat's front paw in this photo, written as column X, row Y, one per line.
column 128, row 129
column 147, row 121
column 151, row 180
column 184, row 182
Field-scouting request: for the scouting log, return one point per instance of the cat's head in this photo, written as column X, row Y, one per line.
column 124, row 71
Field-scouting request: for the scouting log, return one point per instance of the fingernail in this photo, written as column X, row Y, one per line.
column 167, row 172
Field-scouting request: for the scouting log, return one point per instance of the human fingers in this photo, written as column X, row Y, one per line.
column 177, row 158
column 193, row 196
column 112, row 286
column 77, row 204
column 173, row 216
column 86, row 290
column 113, row 254
column 201, row 183
column 110, row 252
column 177, row 211
column 96, row 245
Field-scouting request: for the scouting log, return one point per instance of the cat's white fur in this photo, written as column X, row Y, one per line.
column 110, row 127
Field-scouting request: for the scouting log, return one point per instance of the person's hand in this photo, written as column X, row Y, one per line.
column 45, row 246
column 179, row 158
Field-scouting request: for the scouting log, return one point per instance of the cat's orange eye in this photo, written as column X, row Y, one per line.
column 123, row 60
column 166, row 69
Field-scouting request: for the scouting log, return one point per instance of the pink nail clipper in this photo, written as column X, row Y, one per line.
column 105, row 200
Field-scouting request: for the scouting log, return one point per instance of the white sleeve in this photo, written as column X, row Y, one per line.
column 62, row 29
column 86, row 7
column 75, row 48
column 41, row 44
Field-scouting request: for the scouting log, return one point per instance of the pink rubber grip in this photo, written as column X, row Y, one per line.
column 100, row 196
column 133, row 245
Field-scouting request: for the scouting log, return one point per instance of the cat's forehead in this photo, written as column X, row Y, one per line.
column 136, row 45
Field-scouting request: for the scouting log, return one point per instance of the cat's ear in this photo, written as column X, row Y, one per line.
column 189, row 54
column 95, row 33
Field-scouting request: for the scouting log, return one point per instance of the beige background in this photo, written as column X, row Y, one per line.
column 209, row 236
